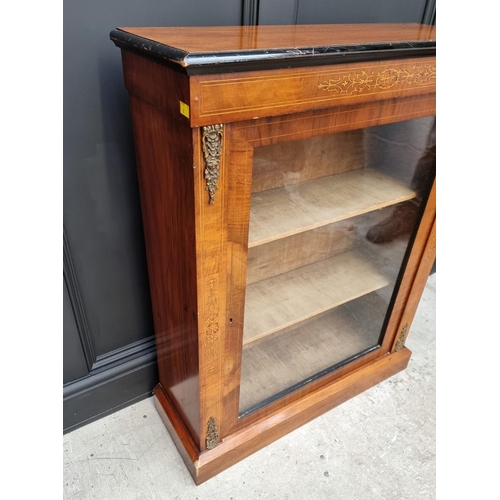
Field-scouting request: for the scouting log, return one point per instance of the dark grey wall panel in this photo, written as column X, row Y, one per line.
column 430, row 13
column 74, row 365
column 250, row 14
column 360, row 11
column 278, row 12
column 101, row 204
column 339, row 11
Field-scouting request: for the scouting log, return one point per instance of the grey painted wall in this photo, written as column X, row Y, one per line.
column 342, row 11
column 360, row 11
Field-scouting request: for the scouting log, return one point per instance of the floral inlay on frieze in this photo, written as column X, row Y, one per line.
column 359, row 81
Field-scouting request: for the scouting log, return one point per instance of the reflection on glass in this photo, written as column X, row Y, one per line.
column 331, row 220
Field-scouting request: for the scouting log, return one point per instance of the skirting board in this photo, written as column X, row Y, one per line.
column 109, row 391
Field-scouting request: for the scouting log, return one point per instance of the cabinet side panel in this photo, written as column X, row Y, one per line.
column 164, row 162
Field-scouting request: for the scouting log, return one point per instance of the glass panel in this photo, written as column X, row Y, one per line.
column 331, row 220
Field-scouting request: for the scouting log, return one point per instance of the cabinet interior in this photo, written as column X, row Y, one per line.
column 317, row 290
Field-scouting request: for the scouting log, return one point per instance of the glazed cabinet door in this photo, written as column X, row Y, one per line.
column 324, row 242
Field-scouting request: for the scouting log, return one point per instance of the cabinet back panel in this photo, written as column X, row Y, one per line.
column 306, row 159
column 283, row 255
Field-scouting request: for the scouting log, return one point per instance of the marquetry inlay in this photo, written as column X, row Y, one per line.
column 356, row 82
column 212, row 325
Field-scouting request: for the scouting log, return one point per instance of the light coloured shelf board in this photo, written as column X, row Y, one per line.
column 278, row 363
column 276, row 304
column 290, row 210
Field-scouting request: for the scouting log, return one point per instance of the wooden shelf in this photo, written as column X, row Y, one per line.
column 277, row 364
column 282, row 212
column 274, row 305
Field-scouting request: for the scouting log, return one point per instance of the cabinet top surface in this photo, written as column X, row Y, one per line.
column 217, row 48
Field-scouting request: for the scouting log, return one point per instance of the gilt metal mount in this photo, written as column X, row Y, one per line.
column 212, row 434
column 402, row 337
column 212, row 149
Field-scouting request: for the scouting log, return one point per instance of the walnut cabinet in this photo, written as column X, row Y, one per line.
column 287, row 181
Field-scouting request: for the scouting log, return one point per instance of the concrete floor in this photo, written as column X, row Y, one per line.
column 379, row 445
